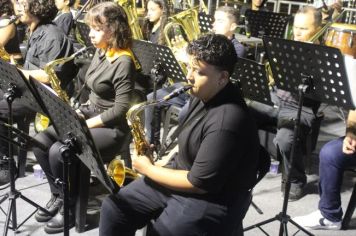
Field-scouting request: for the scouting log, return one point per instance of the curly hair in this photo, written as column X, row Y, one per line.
column 44, row 10
column 6, row 8
column 113, row 17
column 214, row 49
column 147, row 25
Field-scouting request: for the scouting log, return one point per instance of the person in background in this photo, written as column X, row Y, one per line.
column 110, row 78
column 45, row 44
column 307, row 22
column 8, row 32
column 334, row 157
column 64, row 18
column 204, row 187
column 155, row 21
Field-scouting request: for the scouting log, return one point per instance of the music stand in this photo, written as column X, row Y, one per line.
column 251, row 78
column 153, row 56
column 270, row 23
column 313, row 71
column 205, row 22
column 84, row 30
column 16, row 87
column 76, row 138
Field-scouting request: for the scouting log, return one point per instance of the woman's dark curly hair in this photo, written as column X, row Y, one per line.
column 147, row 25
column 214, row 49
column 44, row 10
column 113, row 17
column 6, row 8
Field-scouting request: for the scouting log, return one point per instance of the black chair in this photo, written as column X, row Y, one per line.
column 264, row 163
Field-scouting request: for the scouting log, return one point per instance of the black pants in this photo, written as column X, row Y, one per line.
column 107, row 140
column 20, row 113
column 175, row 214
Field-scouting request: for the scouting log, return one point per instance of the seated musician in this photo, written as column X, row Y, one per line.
column 110, row 78
column 45, row 44
column 335, row 156
column 9, row 38
column 307, row 22
column 64, row 18
column 329, row 8
column 155, row 21
column 225, row 23
column 205, row 185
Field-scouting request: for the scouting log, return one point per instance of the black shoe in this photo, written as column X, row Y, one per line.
column 5, row 172
column 296, row 191
column 56, row 224
column 53, row 206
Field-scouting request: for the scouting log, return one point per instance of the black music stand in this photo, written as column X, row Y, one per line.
column 157, row 61
column 312, row 71
column 76, row 139
column 205, row 22
column 84, row 30
column 16, row 87
column 251, row 78
column 266, row 23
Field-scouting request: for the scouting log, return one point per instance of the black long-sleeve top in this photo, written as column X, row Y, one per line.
column 111, row 84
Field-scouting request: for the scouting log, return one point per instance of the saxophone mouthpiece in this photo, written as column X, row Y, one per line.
column 177, row 92
column 82, row 50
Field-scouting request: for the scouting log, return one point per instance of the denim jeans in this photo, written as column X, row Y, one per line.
column 332, row 164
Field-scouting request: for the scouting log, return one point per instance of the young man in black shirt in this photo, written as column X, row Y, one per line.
column 202, row 190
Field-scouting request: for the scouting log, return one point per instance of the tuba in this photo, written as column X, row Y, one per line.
column 41, row 121
column 132, row 18
column 116, row 169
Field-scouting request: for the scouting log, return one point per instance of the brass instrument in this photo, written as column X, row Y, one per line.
column 188, row 19
column 4, row 55
column 41, row 121
column 318, row 34
column 116, row 169
column 132, row 18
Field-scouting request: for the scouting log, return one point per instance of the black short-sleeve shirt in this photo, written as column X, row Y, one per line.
column 219, row 145
column 46, row 44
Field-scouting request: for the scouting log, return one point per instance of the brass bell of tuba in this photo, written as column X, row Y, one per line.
column 116, row 169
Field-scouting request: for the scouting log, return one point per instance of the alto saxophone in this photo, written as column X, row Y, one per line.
column 42, row 121
column 116, row 169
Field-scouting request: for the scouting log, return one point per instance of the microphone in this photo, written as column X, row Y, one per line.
column 4, row 23
column 177, row 92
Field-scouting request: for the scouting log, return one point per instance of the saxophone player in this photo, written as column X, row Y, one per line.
column 46, row 42
column 8, row 33
column 214, row 169
column 110, row 79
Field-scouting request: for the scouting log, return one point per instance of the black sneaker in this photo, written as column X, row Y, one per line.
column 296, row 191
column 56, row 224
column 53, row 206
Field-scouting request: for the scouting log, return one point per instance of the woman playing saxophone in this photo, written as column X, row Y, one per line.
column 110, row 79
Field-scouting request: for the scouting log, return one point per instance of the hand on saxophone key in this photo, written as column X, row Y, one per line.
column 141, row 163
